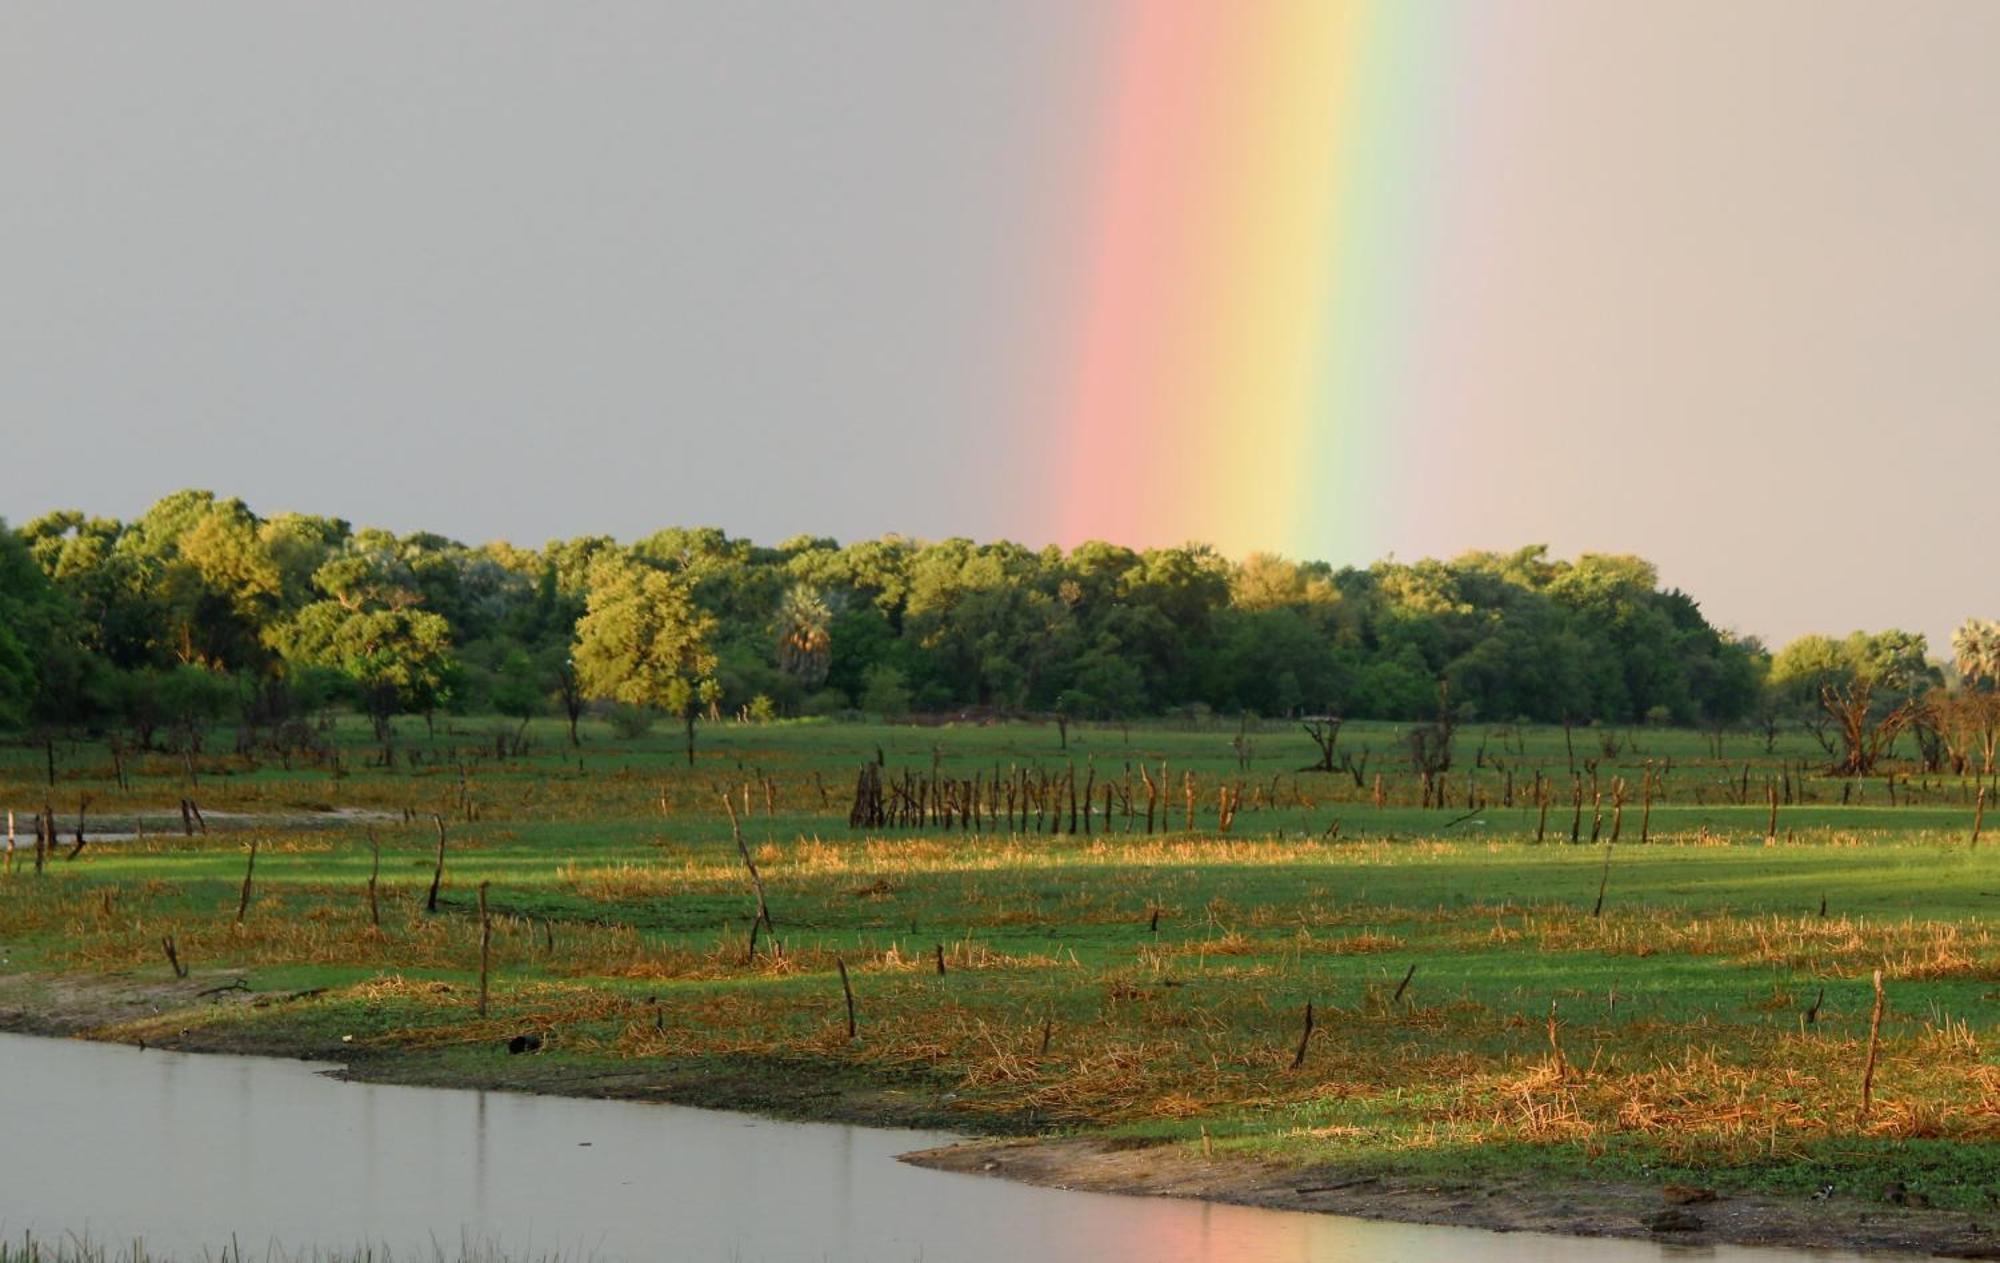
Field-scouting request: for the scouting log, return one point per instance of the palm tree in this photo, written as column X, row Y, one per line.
column 805, row 645
column 1976, row 646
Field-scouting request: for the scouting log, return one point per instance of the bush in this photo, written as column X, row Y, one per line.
column 884, row 692
column 826, row 702
column 630, row 722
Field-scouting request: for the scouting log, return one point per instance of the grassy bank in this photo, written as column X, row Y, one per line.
column 1693, row 1007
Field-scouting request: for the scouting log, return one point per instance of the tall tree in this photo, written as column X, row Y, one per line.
column 1975, row 648
column 643, row 642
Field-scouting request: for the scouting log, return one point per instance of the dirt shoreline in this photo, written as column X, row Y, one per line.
column 95, row 1007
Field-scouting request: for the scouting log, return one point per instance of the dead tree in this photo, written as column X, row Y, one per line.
column 1864, row 739
column 1325, row 733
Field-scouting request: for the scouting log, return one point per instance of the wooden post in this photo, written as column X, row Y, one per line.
column 485, row 946
column 1555, row 1045
column 763, row 916
column 173, row 956
column 940, row 960
column 437, row 874
column 1404, row 985
column 82, row 809
column 1978, row 819
column 1874, row 1048
column 1646, row 814
column 10, row 840
column 1771, row 822
column 847, row 990
column 1603, row 881
column 374, row 908
column 1305, row 1037
column 249, row 871
column 1152, row 795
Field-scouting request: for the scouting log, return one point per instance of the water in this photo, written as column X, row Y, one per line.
column 187, row 1150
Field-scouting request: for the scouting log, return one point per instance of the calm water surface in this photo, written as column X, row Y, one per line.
column 185, row 1150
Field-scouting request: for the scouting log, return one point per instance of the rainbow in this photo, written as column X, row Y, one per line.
column 1246, row 348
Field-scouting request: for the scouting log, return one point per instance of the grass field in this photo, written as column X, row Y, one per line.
column 1474, row 1007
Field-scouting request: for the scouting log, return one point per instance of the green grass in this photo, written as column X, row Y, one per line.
column 622, row 911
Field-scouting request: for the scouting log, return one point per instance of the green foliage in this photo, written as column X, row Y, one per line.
column 884, row 692
column 399, row 661
column 1975, row 648
column 518, row 690
column 641, row 640
column 629, row 723
column 689, row 619
column 1890, row 664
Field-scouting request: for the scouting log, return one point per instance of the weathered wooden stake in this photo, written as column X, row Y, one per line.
column 1978, row 816
column 1555, row 1045
column 940, row 960
column 1874, row 1048
column 1404, row 985
column 437, row 874
column 1597, row 911
column 1646, row 813
column 1305, row 1036
column 763, row 916
column 485, row 946
column 374, row 908
column 249, row 871
column 173, row 956
column 82, row 810
column 846, row 989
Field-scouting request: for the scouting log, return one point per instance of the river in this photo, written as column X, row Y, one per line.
column 187, row 1151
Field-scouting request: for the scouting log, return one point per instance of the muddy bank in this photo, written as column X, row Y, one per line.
column 165, row 825
column 805, row 1089
column 1690, row 1217
column 113, row 1006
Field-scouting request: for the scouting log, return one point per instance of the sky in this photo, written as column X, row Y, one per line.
column 1715, row 283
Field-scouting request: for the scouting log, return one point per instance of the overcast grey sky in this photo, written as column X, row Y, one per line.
column 515, row 270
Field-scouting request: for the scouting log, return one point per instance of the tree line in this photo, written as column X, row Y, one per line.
column 201, row 611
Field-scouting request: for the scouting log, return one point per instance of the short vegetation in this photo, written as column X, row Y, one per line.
column 1573, row 882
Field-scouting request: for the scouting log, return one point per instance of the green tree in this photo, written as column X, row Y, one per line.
column 642, row 641
column 518, row 690
column 398, row 661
